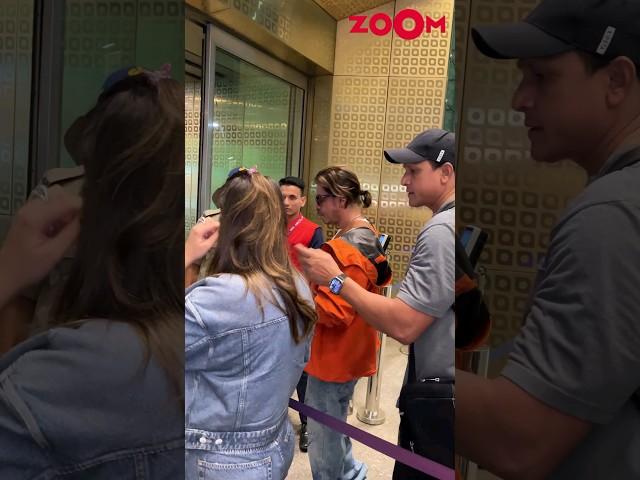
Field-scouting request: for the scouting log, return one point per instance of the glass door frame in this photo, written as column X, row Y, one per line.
column 215, row 38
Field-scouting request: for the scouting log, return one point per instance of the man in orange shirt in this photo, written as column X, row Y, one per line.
column 344, row 347
column 300, row 230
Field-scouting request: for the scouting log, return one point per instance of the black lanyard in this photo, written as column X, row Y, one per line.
column 445, row 207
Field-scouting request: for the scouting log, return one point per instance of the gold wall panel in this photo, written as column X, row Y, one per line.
column 298, row 32
column 340, row 9
column 320, row 125
column 500, row 188
column 356, row 134
column 363, row 53
column 376, row 105
column 414, row 105
column 427, row 55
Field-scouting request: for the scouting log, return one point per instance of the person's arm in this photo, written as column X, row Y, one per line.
column 41, row 232
column 202, row 238
column 509, row 432
column 426, row 293
column 195, row 335
column 334, row 310
column 8, row 290
column 391, row 316
column 574, row 363
column 16, row 316
column 191, row 273
column 21, row 457
column 318, row 238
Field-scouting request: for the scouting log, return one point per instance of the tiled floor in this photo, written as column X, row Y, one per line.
column 380, row 467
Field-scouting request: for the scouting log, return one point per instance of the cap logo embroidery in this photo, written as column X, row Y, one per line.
column 440, row 155
column 606, row 40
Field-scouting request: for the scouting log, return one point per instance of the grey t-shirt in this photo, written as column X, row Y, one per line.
column 429, row 288
column 579, row 350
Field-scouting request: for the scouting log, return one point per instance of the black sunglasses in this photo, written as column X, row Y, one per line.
column 321, row 198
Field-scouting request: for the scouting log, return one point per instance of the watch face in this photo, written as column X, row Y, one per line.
column 335, row 286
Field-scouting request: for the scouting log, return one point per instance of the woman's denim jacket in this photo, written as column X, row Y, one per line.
column 83, row 402
column 241, row 367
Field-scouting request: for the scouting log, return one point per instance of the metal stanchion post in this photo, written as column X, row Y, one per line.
column 372, row 414
column 475, row 361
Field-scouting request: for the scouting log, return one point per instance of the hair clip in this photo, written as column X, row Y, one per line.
column 163, row 72
column 238, row 170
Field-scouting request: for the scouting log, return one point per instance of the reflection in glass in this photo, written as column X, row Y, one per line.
column 256, row 116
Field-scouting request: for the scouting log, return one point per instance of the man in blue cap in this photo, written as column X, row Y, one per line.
column 565, row 405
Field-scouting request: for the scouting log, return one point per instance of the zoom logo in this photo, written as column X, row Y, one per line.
column 381, row 24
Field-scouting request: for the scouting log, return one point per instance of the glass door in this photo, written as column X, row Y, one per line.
column 192, row 103
column 252, row 110
column 257, row 120
column 193, row 56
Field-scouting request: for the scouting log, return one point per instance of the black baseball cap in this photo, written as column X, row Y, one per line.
column 435, row 145
column 607, row 28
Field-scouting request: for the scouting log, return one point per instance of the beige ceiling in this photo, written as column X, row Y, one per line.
column 340, row 9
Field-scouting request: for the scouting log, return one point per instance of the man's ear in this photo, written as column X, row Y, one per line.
column 447, row 171
column 304, row 200
column 622, row 76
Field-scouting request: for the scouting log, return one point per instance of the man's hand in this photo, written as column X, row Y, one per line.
column 41, row 232
column 319, row 267
column 202, row 238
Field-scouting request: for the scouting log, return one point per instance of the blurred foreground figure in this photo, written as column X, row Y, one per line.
column 100, row 393
column 566, row 404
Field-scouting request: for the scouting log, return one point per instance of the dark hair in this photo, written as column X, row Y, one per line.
column 343, row 183
column 294, row 181
column 594, row 63
column 252, row 243
column 128, row 263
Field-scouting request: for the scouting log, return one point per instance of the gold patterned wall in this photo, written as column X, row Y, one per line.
column 500, row 188
column 340, row 9
column 384, row 91
column 192, row 104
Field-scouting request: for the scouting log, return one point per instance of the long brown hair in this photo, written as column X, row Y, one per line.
column 252, row 244
column 128, row 265
column 340, row 182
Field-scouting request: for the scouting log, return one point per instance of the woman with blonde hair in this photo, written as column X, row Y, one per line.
column 248, row 327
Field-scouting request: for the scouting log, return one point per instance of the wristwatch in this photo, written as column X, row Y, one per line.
column 336, row 283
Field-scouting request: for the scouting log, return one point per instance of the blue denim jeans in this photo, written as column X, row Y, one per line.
column 330, row 452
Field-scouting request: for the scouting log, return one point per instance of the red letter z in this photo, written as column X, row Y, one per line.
column 359, row 20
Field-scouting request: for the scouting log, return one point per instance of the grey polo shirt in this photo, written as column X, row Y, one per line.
column 579, row 350
column 428, row 287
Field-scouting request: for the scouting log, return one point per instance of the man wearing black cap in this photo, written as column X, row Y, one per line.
column 565, row 405
column 421, row 314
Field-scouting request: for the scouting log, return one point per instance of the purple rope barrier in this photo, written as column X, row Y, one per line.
column 389, row 449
